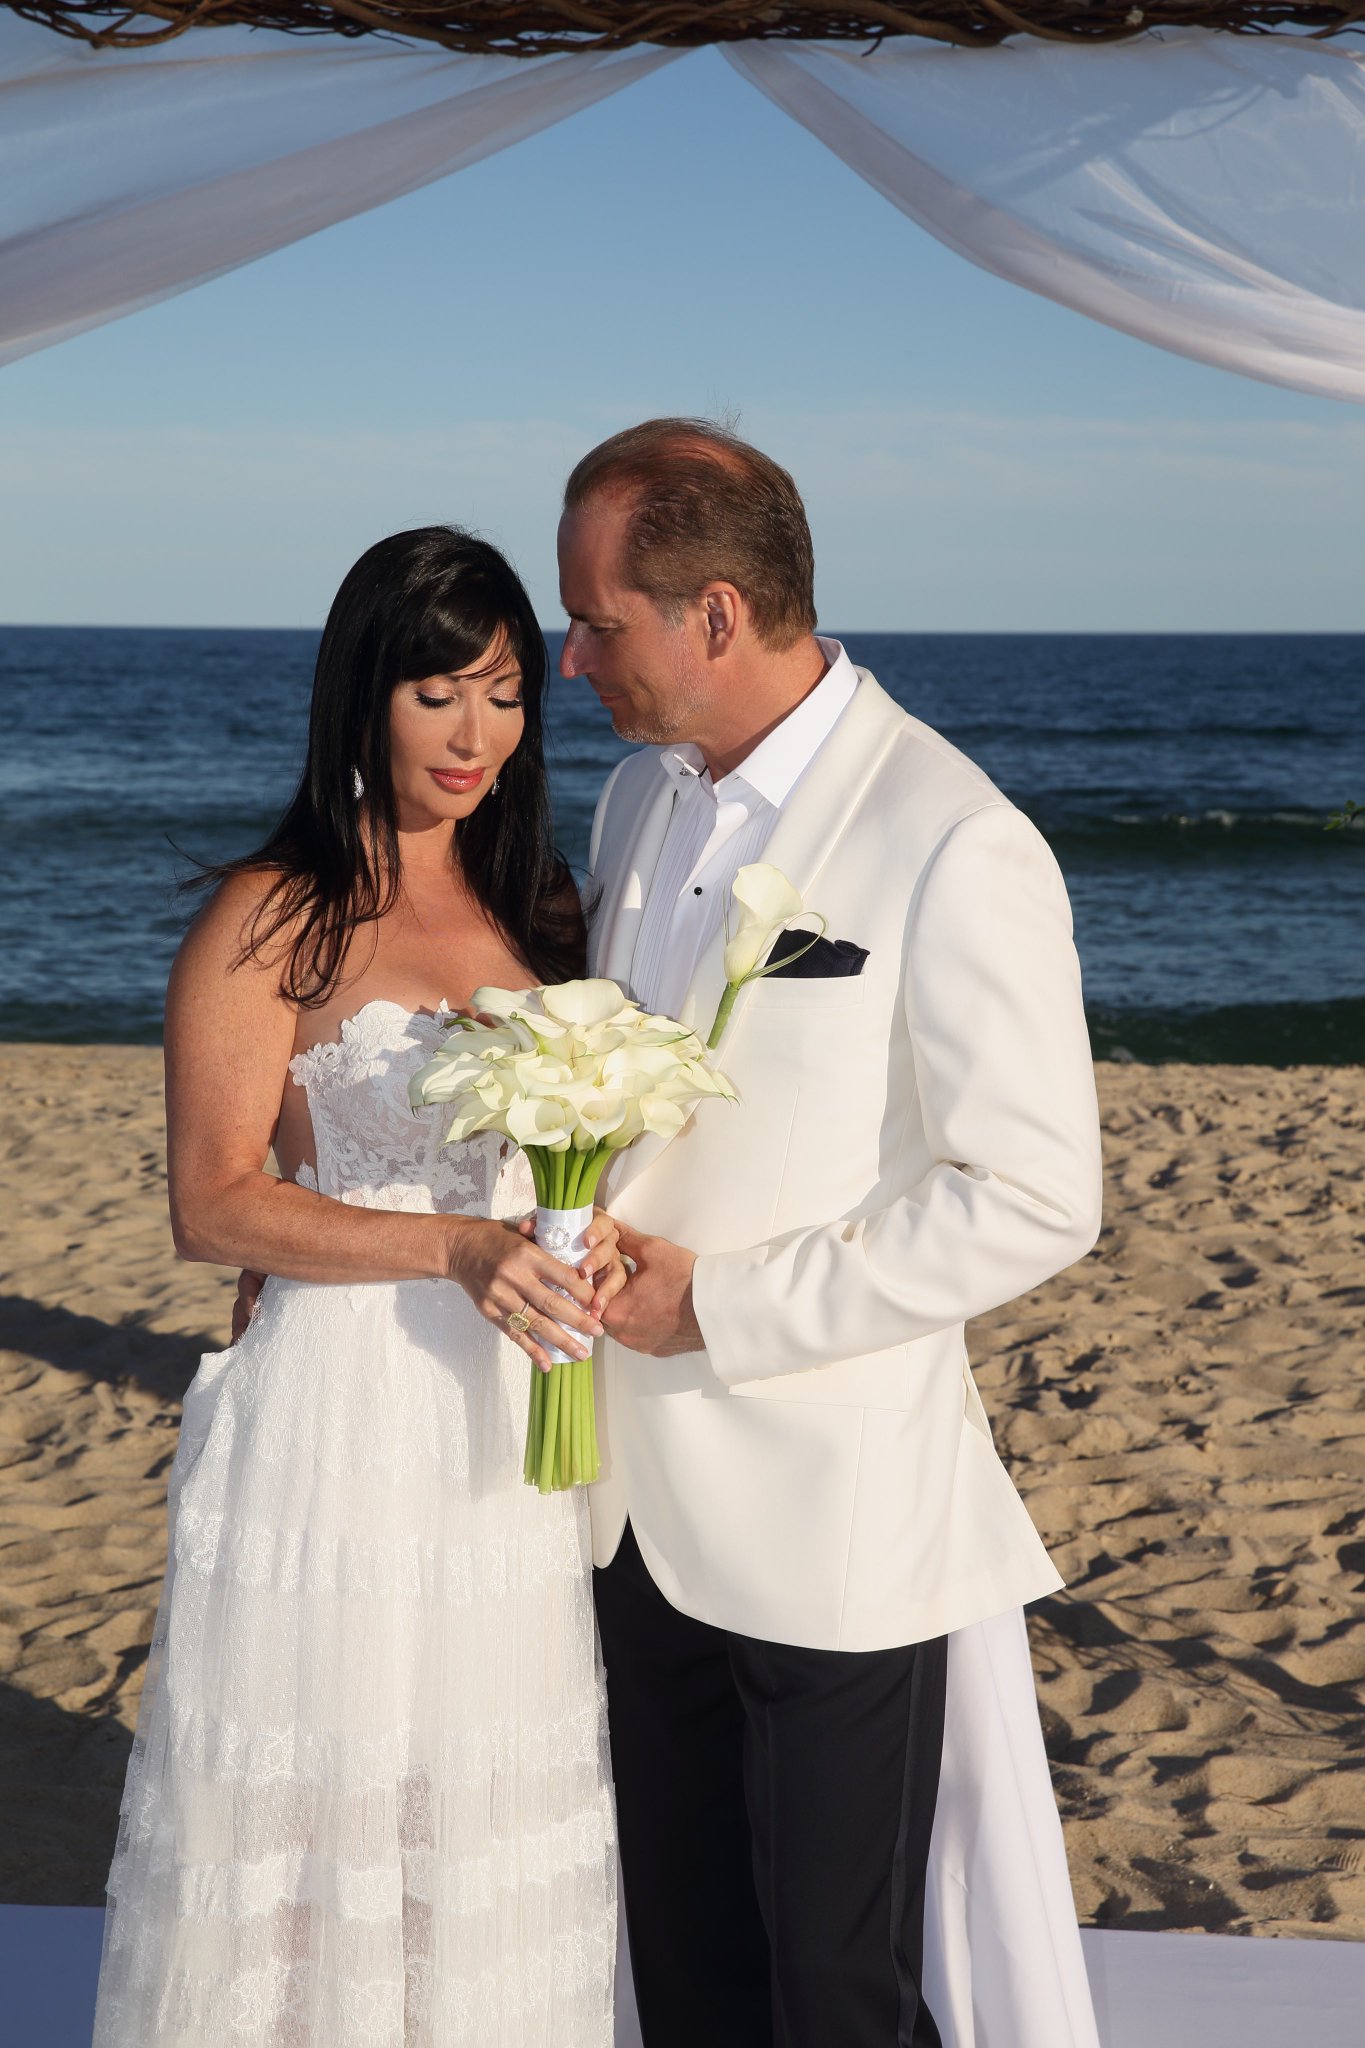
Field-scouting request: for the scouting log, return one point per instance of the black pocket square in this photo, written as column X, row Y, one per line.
column 794, row 958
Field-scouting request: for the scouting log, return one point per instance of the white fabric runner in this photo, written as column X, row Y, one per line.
column 1175, row 1990
column 1201, row 191
column 1003, row 1966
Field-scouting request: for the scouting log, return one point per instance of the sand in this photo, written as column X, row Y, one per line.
column 1182, row 1412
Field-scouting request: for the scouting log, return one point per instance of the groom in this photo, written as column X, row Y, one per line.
column 800, row 1498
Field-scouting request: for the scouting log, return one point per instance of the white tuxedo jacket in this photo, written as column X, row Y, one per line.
column 912, row 1146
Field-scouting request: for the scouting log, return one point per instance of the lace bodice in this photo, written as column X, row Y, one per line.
column 373, row 1149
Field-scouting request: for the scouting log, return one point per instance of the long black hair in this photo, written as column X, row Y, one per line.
column 424, row 603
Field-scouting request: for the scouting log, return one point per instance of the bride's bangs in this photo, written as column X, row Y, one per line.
column 476, row 632
column 446, row 640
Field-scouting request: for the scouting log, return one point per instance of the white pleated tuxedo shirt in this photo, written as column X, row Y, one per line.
column 718, row 828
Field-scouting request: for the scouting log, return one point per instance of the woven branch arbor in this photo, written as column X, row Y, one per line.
column 529, row 28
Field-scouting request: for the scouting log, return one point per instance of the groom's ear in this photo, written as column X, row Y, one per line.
column 723, row 609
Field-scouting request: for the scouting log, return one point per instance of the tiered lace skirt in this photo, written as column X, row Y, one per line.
column 368, row 1804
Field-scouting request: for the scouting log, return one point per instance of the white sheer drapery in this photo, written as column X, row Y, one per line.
column 1198, row 191
column 1201, row 191
column 126, row 176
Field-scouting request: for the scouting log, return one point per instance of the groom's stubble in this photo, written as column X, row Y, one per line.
column 678, row 712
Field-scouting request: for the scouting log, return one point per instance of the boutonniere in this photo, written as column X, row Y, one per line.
column 766, row 903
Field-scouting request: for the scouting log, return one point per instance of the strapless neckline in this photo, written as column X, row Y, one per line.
column 372, row 1147
column 350, row 1026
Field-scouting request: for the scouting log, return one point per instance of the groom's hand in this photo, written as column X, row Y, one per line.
column 654, row 1312
column 249, row 1287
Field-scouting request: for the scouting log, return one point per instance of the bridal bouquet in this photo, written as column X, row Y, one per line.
column 572, row 1073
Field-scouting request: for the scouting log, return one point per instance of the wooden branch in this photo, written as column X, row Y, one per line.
column 530, row 28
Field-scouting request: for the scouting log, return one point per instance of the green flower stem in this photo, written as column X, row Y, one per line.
column 535, row 1410
column 583, row 1462
column 580, row 1421
column 727, row 1003
column 561, row 1430
column 572, row 1426
column 545, row 1478
column 564, row 1443
column 589, row 1434
column 732, row 988
column 594, row 1459
column 540, row 1173
column 573, row 1173
column 561, row 1440
column 561, row 1425
column 595, row 1164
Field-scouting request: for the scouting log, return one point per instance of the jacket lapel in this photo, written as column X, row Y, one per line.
column 809, row 828
column 616, row 923
column 803, row 839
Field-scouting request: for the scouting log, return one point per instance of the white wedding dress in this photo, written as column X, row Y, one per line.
column 368, row 1804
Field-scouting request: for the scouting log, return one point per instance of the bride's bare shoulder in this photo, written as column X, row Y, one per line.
column 229, row 1025
column 238, row 943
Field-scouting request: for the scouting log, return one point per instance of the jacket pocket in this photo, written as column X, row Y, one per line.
column 791, row 995
column 883, row 1379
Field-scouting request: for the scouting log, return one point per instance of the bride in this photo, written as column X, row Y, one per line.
column 368, row 1804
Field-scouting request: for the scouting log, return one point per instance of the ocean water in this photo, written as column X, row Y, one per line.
column 1183, row 781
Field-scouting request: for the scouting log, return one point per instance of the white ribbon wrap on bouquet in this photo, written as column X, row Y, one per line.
column 563, row 1233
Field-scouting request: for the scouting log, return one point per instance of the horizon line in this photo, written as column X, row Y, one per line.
column 835, row 632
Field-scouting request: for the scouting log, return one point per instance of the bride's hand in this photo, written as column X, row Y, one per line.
column 603, row 1263
column 504, row 1272
column 602, row 1260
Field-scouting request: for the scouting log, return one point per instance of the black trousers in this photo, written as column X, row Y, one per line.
column 774, row 1807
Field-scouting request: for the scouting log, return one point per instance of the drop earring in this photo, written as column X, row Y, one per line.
column 357, row 784
column 496, row 780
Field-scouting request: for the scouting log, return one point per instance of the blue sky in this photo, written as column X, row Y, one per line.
column 973, row 457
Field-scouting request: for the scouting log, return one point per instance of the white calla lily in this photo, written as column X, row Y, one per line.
column 631, row 1127
column 512, row 1037
column 540, row 1120
column 599, row 1112
column 663, row 1031
column 523, row 1014
column 466, row 1122
column 767, row 902
column 584, row 1003
column 695, row 1078
column 661, row 1115
column 440, row 1080
column 635, row 1067
column 541, row 1073
column 494, row 1041
column 491, row 1001
column 600, row 1039
column 571, row 1073
column 495, row 1088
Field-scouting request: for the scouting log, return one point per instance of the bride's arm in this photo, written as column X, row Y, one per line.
column 229, row 1040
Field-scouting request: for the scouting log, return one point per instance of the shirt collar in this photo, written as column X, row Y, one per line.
column 778, row 762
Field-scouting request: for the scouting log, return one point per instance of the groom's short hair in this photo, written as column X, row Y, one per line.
column 705, row 507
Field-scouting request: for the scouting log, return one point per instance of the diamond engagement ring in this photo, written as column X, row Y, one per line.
column 519, row 1321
